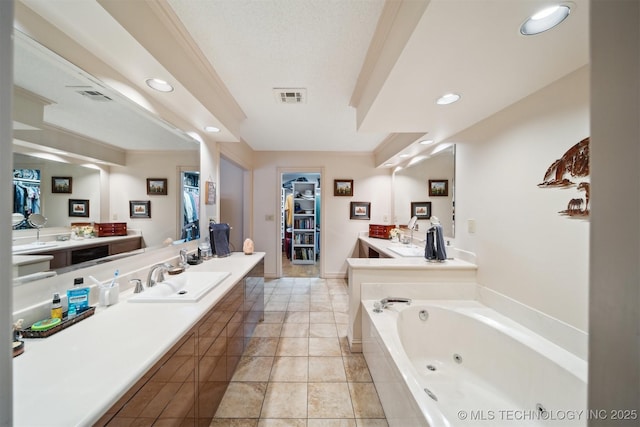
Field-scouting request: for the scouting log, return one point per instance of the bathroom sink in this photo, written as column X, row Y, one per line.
column 185, row 287
column 409, row 251
column 31, row 247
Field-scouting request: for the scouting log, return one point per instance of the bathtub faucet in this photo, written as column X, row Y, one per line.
column 389, row 300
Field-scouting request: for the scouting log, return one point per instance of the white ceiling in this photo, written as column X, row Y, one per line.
column 116, row 122
column 249, row 47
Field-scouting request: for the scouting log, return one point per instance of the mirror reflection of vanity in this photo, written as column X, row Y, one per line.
column 411, row 185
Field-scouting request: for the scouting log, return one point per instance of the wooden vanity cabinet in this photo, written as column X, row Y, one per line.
column 70, row 256
column 164, row 394
column 366, row 251
column 186, row 386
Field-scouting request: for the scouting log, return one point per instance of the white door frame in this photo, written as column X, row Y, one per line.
column 279, row 231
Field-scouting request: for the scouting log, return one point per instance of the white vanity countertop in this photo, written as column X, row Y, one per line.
column 54, row 245
column 29, row 259
column 402, row 262
column 73, row 377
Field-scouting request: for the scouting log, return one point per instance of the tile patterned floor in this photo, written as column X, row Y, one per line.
column 297, row 370
column 290, row 269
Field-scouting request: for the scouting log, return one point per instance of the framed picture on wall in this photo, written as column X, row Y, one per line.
column 438, row 187
column 139, row 209
column 343, row 187
column 78, row 207
column 61, row 184
column 421, row 210
column 157, row 186
column 360, row 210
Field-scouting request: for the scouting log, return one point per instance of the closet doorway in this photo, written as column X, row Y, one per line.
column 189, row 206
column 300, row 223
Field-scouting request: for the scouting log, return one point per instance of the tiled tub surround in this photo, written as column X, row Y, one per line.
column 475, row 362
column 76, row 375
column 297, row 369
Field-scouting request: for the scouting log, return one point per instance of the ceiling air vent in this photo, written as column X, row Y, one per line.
column 94, row 95
column 290, row 95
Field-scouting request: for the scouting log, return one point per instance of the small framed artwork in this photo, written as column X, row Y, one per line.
column 78, row 207
column 61, row 184
column 139, row 209
column 360, row 210
column 209, row 193
column 157, row 186
column 438, row 187
column 421, row 210
column 343, row 187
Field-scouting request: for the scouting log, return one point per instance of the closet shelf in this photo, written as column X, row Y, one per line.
column 304, row 238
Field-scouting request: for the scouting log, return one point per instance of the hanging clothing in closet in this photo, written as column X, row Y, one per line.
column 191, row 201
column 26, row 191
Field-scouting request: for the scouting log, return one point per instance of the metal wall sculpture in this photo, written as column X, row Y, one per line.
column 572, row 171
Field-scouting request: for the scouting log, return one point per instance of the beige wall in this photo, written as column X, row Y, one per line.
column 525, row 248
column 130, row 183
column 338, row 233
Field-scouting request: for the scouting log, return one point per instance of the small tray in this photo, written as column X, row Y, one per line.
column 66, row 322
column 18, row 348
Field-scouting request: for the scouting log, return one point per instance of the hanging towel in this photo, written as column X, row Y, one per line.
column 434, row 248
column 219, row 238
column 429, row 248
column 441, row 251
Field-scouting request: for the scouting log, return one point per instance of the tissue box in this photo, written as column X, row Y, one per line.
column 380, row 231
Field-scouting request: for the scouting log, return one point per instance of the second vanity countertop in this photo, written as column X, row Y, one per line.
column 73, row 377
column 395, row 260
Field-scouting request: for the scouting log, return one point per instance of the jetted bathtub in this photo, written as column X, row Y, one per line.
column 459, row 363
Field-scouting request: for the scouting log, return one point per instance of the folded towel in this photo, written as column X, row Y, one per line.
column 219, row 237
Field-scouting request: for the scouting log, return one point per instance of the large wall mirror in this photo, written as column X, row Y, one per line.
column 67, row 121
column 69, row 124
column 411, row 188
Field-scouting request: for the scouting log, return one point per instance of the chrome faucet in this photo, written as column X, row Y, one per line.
column 389, row 300
column 139, row 288
column 163, row 267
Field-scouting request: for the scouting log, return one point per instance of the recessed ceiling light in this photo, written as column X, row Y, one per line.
column 388, row 164
column 159, row 85
column 211, row 129
column 403, row 156
column 426, row 141
column 447, row 99
column 545, row 19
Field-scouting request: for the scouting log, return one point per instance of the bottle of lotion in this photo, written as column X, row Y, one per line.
column 56, row 307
